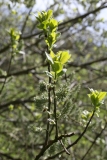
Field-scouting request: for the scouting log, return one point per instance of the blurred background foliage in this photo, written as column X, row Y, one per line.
column 22, row 120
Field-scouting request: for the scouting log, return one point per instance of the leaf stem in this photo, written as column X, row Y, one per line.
column 49, row 105
column 55, row 105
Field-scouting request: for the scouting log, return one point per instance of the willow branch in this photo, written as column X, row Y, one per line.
column 76, row 141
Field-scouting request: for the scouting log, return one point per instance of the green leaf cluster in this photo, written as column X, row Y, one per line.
column 96, row 97
column 49, row 26
column 57, row 62
column 43, row 18
column 15, row 36
column 85, row 116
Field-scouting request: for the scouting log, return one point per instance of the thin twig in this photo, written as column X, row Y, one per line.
column 97, row 136
column 26, row 19
column 77, row 140
column 64, row 147
column 52, row 142
column 55, row 105
column 49, row 105
column 8, row 156
column 73, row 21
column 1, row 90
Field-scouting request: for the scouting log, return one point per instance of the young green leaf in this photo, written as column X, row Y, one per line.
column 96, row 97
column 62, row 72
column 64, row 56
column 53, row 24
column 102, row 95
column 49, row 14
column 52, row 54
column 57, row 67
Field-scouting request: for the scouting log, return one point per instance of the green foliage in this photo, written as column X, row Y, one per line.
column 62, row 57
column 15, row 36
column 55, row 148
column 42, row 86
column 96, row 97
column 66, row 105
column 62, row 92
column 60, row 122
column 40, row 101
column 49, row 27
column 59, row 60
column 16, row 43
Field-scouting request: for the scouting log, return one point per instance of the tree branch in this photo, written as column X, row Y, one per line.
column 97, row 136
column 75, row 142
column 28, row 100
column 8, row 156
column 52, row 142
column 88, row 63
column 74, row 20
